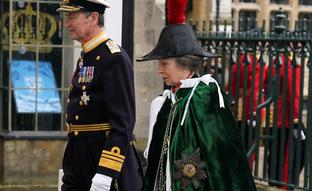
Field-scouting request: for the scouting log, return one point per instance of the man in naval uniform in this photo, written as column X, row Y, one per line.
column 101, row 107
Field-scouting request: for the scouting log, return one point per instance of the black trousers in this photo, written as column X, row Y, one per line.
column 81, row 160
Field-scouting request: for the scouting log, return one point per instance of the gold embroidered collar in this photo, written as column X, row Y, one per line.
column 94, row 42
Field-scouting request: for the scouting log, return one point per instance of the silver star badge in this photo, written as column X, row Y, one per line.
column 190, row 169
column 85, row 98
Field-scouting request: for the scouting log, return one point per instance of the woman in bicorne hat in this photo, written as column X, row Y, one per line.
column 193, row 142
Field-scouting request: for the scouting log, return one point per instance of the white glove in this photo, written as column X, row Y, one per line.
column 101, row 182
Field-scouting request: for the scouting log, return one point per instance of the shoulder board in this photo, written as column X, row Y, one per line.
column 112, row 46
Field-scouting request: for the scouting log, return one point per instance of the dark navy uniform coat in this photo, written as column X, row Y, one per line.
column 101, row 94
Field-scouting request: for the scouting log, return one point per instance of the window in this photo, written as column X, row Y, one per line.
column 33, row 79
column 247, row 20
column 247, row 1
column 279, row 1
column 305, row 2
column 37, row 60
column 308, row 18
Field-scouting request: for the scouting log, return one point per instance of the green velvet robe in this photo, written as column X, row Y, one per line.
column 210, row 129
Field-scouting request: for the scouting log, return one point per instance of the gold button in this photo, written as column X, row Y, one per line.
column 84, row 88
column 81, row 103
column 77, row 117
column 68, row 100
column 76, row 133
column 98, row 58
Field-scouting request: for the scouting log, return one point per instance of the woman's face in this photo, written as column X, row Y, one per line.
column 171, row 72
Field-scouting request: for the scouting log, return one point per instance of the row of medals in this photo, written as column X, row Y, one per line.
column 84, row 78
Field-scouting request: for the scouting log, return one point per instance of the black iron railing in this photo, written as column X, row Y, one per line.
column 267, row 75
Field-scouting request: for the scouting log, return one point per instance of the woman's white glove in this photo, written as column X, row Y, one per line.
column 101, row 182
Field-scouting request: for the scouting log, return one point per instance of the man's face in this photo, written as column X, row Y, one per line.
column 78, row 26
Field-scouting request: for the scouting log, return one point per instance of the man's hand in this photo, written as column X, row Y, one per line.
column 101, row 182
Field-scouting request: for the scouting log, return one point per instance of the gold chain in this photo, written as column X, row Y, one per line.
column 164, row 150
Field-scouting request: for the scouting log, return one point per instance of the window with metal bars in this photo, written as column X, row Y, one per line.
column 305, row 19
column 280, row 1
column 247, row 1
column 247, row 20
column 305, row 2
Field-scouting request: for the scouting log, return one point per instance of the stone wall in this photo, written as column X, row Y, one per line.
column 30, row 162
column 149, row 21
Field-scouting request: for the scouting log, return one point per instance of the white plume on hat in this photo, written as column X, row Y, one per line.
column 103, row 2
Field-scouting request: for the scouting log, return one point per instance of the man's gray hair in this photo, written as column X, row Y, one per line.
column 101, row 18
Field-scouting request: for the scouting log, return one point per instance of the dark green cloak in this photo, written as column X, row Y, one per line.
column 210, row 129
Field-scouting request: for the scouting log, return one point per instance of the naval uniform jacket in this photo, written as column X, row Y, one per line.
column 102, row 94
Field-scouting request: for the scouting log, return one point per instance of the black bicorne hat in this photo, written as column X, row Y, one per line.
column 176, row 40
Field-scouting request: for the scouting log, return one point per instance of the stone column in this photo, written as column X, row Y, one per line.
column 293, row 14
column 200, row 12
column 264, row 14
column 149, row 20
